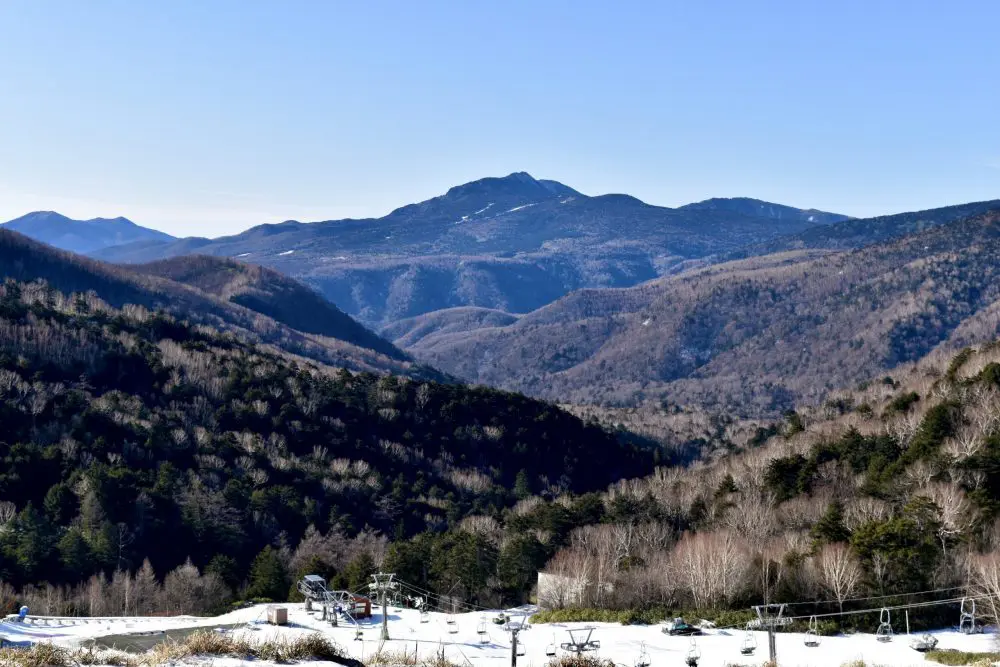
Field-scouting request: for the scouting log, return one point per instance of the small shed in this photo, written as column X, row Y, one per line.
column 277, row 615
column 361, row 606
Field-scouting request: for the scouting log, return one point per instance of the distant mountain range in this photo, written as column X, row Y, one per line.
column 731, row 304
column 82, row 236
column 511, row 244
column 751, row 337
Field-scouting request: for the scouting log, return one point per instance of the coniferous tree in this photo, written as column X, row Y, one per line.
column 268, row 577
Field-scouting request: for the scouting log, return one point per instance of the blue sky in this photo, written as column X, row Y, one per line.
column 209, row 117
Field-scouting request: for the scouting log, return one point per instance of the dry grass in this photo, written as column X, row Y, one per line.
column 299, row 649
column 48, row 655
column 306, row 647
column 580, row 661
column 404, row 659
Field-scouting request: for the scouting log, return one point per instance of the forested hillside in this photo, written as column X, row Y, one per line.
column 886, row 490
column 860, row 232
column 751, row 338
column 257, row 305
column 269, row 293
column 129, row 434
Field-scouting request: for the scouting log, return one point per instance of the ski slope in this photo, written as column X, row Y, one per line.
column 622, row 644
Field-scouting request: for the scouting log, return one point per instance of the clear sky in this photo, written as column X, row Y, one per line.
column 206, row 117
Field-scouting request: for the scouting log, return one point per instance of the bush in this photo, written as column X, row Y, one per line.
column 903, row 403
column 313, row 646
column 953, row 657
column 580, row 661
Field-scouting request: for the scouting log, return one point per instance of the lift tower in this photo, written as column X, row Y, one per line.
column 382, row 584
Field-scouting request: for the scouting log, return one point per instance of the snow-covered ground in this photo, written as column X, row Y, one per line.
column 623, row 644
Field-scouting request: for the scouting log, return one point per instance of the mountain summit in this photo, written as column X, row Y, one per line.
column 512, row 243
column 518, row 184
column 486, row 198
column 81, row 236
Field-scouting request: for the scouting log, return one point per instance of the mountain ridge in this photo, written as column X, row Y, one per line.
column 82, row 236
column 752, row 336
column 511, row 243
column 252, row 315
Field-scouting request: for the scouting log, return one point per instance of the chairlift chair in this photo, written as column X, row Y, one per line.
column 451, row 619
column 749, row 643
column 967, row 621
column 643, row 660
column 811, row 638
column 884, row 632
column 550, row 650
column 425, row 617
column 521, row 650
column 481, row 628
column 693, row 654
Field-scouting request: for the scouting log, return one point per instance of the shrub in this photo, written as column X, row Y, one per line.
column 580, row 661
column 953, row 657
column 313, row 646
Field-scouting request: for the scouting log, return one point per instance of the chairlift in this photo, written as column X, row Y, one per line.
column 451, row 619
column 967, row 621
column 550, row 650
column 425, row 617
column 693, row 654
column 481, row 631
column 521, row 650
column 580, row 641
column 884, row 632
column 812, row 634
column 358, row 636
column 924, row 643
column 749, row 643
column 643, row 660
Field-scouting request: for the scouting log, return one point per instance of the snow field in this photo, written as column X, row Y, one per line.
column 622, row 644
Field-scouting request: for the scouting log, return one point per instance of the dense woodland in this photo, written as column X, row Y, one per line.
column 887, row 490
column 151, row 462
column 136, row 446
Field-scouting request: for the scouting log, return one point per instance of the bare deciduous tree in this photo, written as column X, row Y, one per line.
column 955, row 511
column 840, row 571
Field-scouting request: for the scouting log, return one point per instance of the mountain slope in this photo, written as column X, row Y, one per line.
column 763, row 209
column 24, row 260
column 415, row 331
column 82, row 236
column 753, row 337
column 270, row 293
column 513, row 244
column 130, row 435
column 860, row 232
